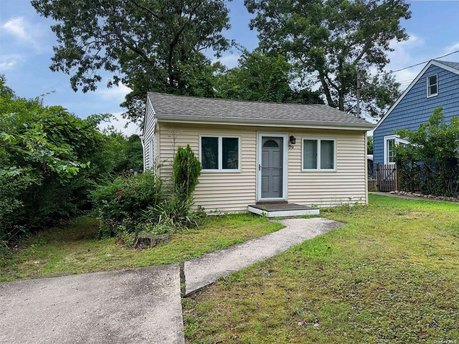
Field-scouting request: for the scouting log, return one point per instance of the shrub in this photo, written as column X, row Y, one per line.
column 187, row 170
column 123, row 201
column 430, row 163
column 143, row 202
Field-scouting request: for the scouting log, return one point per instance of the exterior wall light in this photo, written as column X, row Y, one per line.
column 292, row 140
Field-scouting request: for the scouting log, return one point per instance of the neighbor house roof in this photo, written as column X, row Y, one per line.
column 213, row 110
column 454, row 65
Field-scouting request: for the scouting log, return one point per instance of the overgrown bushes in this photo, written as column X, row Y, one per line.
column 50, row 161
column 144, row 202
column 430, row 162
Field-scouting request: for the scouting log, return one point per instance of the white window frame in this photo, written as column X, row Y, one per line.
column 397, row 141
column 428, row 86
column 220, row 154
column 319, row 162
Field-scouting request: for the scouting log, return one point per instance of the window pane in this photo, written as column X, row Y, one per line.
column 390, row 151
column 327, row 154
column 433, row 80
column 433, row 89
column 209, row 150
column 230, row 153
column 310, row 154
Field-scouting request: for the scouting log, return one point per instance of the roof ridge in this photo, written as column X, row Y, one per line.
column 236, row 100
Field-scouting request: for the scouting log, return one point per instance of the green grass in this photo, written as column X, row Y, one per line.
column 75, row 248
column 390, row 275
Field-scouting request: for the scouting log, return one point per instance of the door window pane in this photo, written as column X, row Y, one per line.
column 327, row 154
column 209, row 151
column 230, row 153
column 310, row 154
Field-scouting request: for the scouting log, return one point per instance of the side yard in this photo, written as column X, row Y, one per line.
column 390, row 275
column 75, row 248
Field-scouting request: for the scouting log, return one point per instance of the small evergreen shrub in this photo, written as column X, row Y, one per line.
column 187, row 170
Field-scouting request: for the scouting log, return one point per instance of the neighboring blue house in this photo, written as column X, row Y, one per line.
column 436, row 85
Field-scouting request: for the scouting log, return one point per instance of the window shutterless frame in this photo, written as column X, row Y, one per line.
column 429, row 85
column 319, row 162
column 397, row 141
column 220, row 153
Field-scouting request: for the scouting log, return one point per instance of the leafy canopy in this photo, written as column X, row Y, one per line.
column 332, row 40
column 148, row 45
column 264, row 77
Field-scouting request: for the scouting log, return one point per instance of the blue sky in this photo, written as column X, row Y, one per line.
column 26, row 43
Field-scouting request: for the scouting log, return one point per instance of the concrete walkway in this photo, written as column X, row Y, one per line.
column 210, row 267
column 130, row 306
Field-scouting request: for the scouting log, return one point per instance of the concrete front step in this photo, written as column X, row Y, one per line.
column 282, row 209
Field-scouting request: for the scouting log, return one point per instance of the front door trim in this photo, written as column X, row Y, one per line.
column 260, row 136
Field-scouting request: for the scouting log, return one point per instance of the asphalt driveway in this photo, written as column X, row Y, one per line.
column 129, row 306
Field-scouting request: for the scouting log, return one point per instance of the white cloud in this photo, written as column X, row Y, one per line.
column 115, row 93
column 121, row 124
column 17, row 27
column 8, row 62
column 25, row 32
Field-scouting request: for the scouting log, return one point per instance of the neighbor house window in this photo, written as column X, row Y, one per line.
column 390, row 151
column 390, row 142
column 319, row 154
column 432, row 85
column 219, row 153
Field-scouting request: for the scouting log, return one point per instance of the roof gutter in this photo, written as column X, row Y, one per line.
column 267, row 123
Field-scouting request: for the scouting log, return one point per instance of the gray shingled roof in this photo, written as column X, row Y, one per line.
column 454, row 65
column 186, row 108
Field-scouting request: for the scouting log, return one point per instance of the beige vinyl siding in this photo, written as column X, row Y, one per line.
column 233, row 191
column 149, row 140
column 223, row 191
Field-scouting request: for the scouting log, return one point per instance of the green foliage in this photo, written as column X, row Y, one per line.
column 331, row 40
column 263, row 77
column 370, row 145
column 123, row 201
column 430, row 163
column 187, row 170
column 144, row 202
column 50, row 160
column 148, row 45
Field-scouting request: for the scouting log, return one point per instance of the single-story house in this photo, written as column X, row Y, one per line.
column 257, row 152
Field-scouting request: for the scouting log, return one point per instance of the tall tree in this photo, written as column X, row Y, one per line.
column 264, row 77
column 148, row 45
column 336, row 39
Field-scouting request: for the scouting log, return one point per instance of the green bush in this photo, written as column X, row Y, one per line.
column 430, row 162
column 143, row 202
column 123, row 201
column 187, row 170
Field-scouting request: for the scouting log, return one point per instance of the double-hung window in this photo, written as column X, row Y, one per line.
column 432, row 85
column 319, row 154
column 220, row 153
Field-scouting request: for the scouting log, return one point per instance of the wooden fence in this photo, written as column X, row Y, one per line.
column 386, row 177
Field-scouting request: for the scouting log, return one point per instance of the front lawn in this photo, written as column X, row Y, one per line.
column 75, row 248
column 390, row 275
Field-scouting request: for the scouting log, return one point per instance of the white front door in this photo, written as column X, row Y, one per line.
column 272, row 166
